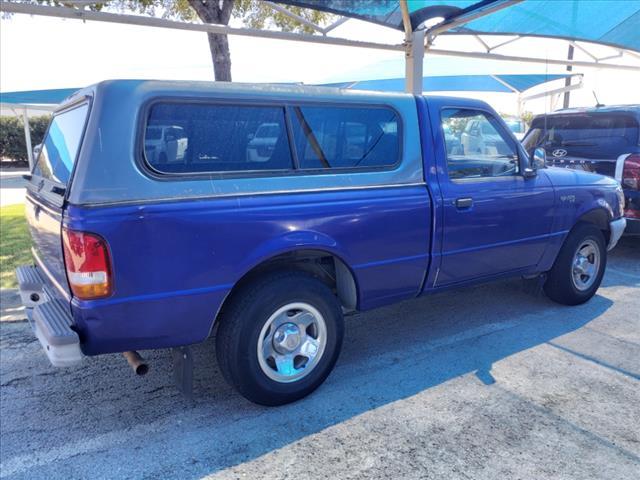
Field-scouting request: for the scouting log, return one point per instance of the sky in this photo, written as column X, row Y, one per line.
column 42, row 53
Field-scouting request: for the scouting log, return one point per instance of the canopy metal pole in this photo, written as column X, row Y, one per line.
column 544, row 61
column 125, row 19
column 296, row 17
column 64, row 12
column 567, row 82
column 414, row 57
column 27, row 137
column 557, row 91
column 413, row 54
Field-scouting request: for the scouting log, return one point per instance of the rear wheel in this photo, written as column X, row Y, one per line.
column 579, row 268
column 280, row 337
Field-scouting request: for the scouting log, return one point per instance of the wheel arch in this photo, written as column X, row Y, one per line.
column 600, row 217
column 324, row 264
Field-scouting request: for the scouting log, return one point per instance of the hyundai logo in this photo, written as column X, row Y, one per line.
column 559, row 152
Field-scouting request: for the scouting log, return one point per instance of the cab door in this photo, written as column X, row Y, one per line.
column 495, row 221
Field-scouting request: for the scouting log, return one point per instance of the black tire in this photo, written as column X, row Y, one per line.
column 242, row 321
column 560, row 286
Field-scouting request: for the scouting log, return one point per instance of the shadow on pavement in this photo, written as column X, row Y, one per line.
column 389, row 354
column 624, row 262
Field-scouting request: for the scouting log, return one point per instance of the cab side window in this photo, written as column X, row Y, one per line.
column 476, row 145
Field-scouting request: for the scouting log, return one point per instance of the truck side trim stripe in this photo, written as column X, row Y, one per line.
column 391, row 260
column 500, row 244
column 154, row 296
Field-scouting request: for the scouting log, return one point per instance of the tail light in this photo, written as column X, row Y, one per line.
column 631, row 172
column 86, row 257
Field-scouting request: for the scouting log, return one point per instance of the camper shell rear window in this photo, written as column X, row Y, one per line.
column 61, row 144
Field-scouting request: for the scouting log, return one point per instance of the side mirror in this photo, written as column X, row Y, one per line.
column 539, row 159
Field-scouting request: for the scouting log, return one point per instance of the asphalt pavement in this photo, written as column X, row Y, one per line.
column 12, row 186
column 484, row 383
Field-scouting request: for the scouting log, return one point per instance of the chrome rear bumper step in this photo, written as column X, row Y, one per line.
column 32, row 286
column 50, row 318
column 53, row 321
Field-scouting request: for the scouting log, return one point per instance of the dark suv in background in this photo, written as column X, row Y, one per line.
column 604, row 140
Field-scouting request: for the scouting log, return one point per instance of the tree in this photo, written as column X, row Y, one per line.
column 254, row 13
column 13, row 145
column 527, row 117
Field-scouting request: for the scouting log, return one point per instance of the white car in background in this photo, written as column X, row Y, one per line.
column 479, row 136
column 517, row 126
column 262, row 144
column 165, row 143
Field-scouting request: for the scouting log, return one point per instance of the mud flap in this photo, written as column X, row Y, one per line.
column 183, row 370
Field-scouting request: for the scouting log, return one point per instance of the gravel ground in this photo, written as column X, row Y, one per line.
column 490, row 382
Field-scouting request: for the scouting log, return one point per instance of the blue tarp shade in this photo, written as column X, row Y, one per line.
column 610, row 22
column 459, row 83
column 37, row 97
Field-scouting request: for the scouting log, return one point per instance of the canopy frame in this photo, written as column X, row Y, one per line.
column 414, row 45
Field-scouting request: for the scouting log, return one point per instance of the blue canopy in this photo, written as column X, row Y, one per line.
column 449, row 83
column 37, row 97
column 610, row 22
column 457, row 83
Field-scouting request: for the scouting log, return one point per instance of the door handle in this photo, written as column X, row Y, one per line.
column 466, row 202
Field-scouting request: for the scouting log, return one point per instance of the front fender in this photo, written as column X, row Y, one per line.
column 579, row 196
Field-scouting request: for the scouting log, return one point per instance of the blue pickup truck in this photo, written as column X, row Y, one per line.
column 354, row 202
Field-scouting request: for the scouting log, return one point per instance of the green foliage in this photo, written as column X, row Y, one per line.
column 253, row 13
column 257, row 14
column 12, row 142
column 457, row 125
column 171, row 9
column 527, row 117
column 15, row 243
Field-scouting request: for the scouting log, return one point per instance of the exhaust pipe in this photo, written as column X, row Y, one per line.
column 139, row 365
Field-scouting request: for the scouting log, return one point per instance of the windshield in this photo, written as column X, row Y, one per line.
column 60, row 146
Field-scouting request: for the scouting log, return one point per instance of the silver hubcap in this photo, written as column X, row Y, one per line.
column 586, row 264
column 292, row 342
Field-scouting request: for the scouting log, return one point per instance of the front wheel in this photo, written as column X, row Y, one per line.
column 579, row 268
column 280, row 337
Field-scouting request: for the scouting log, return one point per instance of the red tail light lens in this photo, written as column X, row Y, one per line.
column 86, row 258
column 631, row 172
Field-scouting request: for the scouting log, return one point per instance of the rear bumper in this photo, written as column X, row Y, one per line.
column 50, row 318
column 616, row 227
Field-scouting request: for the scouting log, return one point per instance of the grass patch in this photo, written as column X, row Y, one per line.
column 15, row 243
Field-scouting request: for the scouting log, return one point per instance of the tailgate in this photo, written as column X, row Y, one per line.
column 45, row 200
column 45, row 224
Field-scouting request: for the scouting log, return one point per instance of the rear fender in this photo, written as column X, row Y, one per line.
column 290, row 242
